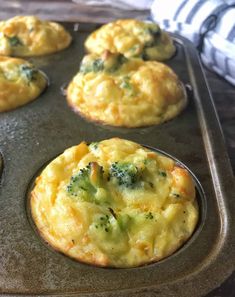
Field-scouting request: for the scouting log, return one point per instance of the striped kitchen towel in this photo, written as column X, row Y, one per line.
column 209, row 24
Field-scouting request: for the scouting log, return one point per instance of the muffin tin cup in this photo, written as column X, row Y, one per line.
column 32, row 135
column 200, row 197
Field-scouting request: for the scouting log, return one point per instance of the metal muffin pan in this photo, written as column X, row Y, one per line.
column 34, row 134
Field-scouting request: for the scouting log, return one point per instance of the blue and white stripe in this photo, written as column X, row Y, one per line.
column 212, row 20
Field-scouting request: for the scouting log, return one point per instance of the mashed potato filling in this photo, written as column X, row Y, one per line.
column 24, row 36
column 20, row 82
column 114, row 203
column 117, row 91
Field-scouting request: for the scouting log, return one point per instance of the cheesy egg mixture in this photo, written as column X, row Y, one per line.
column 29, row 36
column 133, row 38
column 117, row 91
column 114, row 203
column 20, row 82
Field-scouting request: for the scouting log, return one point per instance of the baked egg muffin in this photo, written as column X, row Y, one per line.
column 114, row 203
column 24, row 36
column 132, row 38
column 20, row 82
column 117, row 91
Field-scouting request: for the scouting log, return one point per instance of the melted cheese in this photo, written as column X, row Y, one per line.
column 132, row 38
column 20, row 82
column 131, row 225
column 29, row 36
column 126, row 92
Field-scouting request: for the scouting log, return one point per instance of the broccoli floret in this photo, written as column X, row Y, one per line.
column 124, row 221
column 92, row 66
column 126, row 174
column 114, row 62
column 176, row 195
column 30, row 73
column 94, row 145
column 162, row 173
column 125, row 84
column 135, row 49
column 87, row 182
column 103, row 223
column 109, row 235
column 108, row 62
column 149, row 216
column 153, row 34
column 14, row 41
column 154, row 31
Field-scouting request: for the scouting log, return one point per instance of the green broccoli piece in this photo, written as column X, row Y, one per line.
column 124, row 221
column 108, row 62
column 94, row 145
column 109, row 235
column 162, row 173
column 14, row 41
column 134, row 50
column 93, row 66
column 98, row 65
column 176, row 195
column 114, row 62
column 86, row 182
column 149, row 216
column 30, row 73
column 126, row 174
column 125, row 84
column 103, row 223
column 153, row 32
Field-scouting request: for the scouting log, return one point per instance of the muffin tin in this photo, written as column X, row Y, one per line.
column 34, row 134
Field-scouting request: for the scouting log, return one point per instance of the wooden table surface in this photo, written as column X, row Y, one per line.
column 223, row 92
